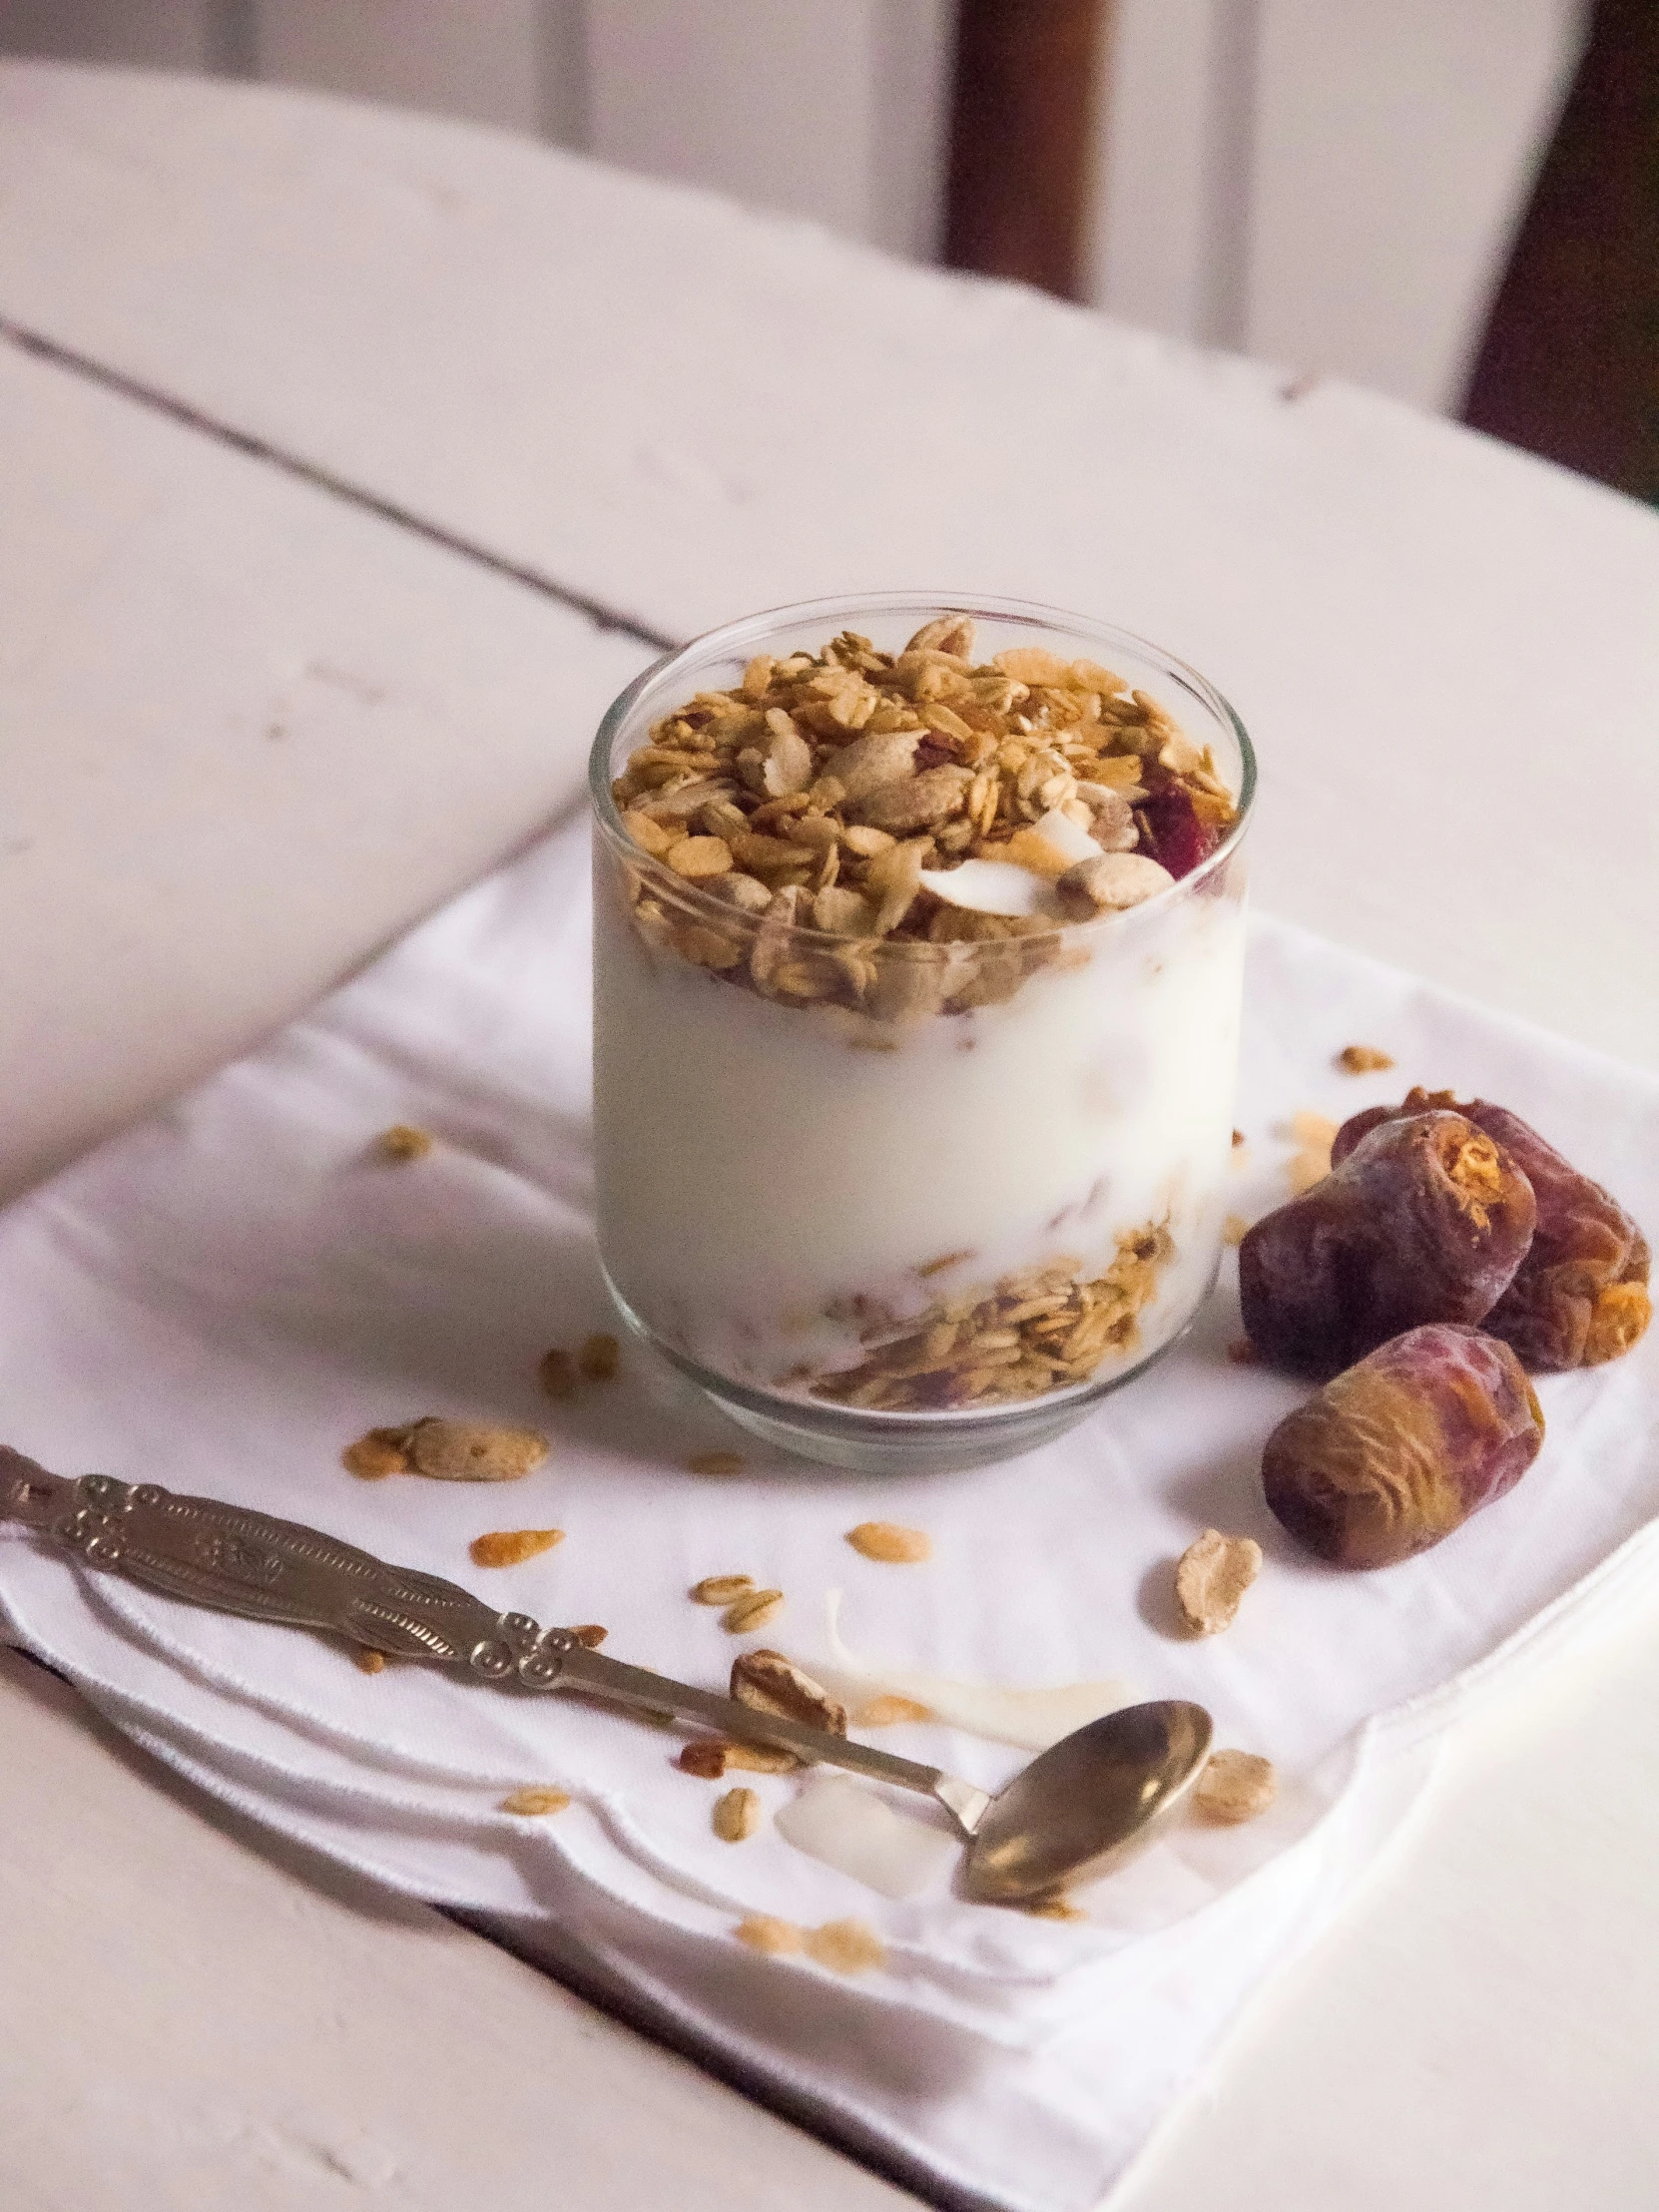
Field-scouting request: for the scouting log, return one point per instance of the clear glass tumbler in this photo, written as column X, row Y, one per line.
column 901, row 1204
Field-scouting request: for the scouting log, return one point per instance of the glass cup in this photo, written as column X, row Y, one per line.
column 902, row 1205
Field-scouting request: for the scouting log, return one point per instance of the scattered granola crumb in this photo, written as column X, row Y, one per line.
column 401, row 1142
column 847, row 1947
column 369, row 1660
column 721, row 1589
column 377, row 1454
column 761, row 1933
column 711, row 1757
column 447, row 1450
column 945, row 1260
column 1055, row 1908
column 716, row 1463
column 1211, row 1578
column 532, row 1803
column 736, row 1816
column 509, row 1547
column 1313, row 1135
column 557, row 1373
column 766, row 1682
column 888, row 1710
column 590, row 1635
column 601, row 1355
column 1362, row 1059
column 1235, row 1786
column 1238, row 1140
column 753, row 1610
column 887, row 1541
column 1234, row 1230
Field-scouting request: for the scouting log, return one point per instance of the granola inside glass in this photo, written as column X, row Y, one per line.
column 917, row 970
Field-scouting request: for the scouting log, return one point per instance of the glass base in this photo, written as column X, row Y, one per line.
column 873, row 1443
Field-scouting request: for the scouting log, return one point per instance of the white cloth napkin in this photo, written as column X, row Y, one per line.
column 223, row 1298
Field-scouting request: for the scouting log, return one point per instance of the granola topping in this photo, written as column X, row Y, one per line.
column 907, row 833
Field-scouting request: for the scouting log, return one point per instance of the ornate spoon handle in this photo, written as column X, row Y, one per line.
column 240, row 1561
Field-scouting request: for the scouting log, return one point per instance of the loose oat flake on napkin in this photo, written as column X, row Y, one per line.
column 223, row 1297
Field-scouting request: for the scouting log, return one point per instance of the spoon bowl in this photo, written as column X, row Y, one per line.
column 1088, row 1800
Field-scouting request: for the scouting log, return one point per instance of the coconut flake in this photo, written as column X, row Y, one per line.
column 847, row 1825
column 1032, row 1719
column 990, row 888
column 1066, row 836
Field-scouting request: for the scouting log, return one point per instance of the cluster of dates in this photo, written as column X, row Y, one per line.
column 1450, row 1252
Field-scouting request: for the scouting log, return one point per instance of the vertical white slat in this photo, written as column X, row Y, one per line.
column 482, row 58
column 154, row 34
column 911, row 55
column 1394, row 145
column 1152, row 237
column 772, row 101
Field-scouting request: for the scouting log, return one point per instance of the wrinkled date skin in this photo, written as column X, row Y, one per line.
column 1401, row 1450
column 1425, row 1220
column 1580, row 1295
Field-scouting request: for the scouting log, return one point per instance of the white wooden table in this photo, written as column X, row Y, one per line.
column 349, row 463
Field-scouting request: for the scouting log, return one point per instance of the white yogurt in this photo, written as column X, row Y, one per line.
column 762, row 1164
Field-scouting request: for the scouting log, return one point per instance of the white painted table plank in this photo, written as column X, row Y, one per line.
column 687, row 411
column 247, row 733
column 196, row 2016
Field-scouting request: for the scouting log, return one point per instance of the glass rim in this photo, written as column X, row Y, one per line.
column 726, row 637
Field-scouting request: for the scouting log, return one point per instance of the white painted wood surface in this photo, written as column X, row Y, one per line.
column 588, row 376
column 195, row 2019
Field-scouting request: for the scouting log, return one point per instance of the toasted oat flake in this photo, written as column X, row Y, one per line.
column 751, row 1611
column 721, row 1589
column 535, row 1801
column 1055, row 1909
column 736, row 1816
column 590, row 1635
column 1234, row 1230
column 886, row 1540
column 509, row 1547
column 711, row 1757
column 1235, row 1786
column 888, row 1710
column 847, row 1947
column 1362, row 1059
column 716, row 1463
column 599, row 1358
column 369, row 1660
column 403, row 1142
column 1211, row 1578
column 377, row 1454
column 764, row 1933
column 766, row 1682
column 1312, row 1136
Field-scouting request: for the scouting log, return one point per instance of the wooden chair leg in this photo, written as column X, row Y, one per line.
column 1023, row 115
column 1569, row 365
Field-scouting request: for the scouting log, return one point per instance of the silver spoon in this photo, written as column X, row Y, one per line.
column 1073, row 1813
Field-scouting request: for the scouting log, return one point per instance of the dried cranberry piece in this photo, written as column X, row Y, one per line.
column 1172, row 832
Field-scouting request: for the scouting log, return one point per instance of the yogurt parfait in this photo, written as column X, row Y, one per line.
column 918, row 947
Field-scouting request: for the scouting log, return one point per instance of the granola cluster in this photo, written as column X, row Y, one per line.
column 1044, row 1329
column 839, row 795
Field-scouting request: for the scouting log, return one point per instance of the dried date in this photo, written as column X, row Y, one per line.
column 1425, row 1220
column 1395, row 1454
column 1580, row 1295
